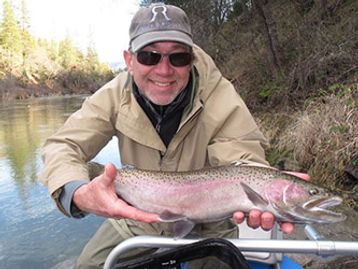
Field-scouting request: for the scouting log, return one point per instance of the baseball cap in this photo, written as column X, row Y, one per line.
column 159, row 22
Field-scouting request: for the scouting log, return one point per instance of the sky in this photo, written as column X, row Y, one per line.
column 104, row 22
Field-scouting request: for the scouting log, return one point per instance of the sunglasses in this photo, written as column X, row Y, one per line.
column 177, row 59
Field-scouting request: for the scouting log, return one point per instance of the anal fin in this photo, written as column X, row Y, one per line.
column 180, row 225
column 182, row 228
column 168, row 216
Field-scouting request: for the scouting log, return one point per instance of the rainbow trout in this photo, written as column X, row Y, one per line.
column 212, row 194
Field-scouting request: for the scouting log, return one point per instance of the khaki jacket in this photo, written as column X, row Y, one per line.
column 217, row 130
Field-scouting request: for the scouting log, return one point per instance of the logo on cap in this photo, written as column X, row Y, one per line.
column 162, row 9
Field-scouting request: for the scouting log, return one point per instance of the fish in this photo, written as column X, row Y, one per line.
column 215, row 193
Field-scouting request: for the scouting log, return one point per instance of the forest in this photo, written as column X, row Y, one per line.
column 31, row 67
column 294, row 62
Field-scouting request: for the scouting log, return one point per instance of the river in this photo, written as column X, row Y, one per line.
column 33, row 233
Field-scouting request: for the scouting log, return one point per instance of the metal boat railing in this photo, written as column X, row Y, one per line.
column 316, row 244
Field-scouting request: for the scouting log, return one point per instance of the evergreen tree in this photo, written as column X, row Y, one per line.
column 28, row 42
column 10, row 32
column 68, row 54
column 92, row 60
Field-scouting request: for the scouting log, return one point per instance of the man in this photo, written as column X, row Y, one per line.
column 172, row 111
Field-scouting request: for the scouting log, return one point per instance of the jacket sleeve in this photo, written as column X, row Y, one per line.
column 83, row 135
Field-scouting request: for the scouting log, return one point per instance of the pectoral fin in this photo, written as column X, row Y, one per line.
column 281, row 213
column 254, row 197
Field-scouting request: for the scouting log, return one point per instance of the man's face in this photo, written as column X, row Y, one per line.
column 160, row 83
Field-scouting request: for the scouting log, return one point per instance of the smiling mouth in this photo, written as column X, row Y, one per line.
column 162, row 84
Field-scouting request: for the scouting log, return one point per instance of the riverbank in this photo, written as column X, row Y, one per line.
column 320, row 138
column 73, row 81
column 10, row 90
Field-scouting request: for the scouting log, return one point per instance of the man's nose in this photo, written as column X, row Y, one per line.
column 164, row 67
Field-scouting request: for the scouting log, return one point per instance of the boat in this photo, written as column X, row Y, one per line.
column 261, row 249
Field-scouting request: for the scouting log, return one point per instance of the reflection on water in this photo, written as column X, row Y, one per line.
column 33, row 233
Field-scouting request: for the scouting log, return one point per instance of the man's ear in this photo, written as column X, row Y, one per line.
column 128, row 58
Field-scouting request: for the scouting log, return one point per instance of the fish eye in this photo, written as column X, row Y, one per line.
column 313, row 191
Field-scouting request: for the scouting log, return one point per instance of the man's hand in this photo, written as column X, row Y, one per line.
column 266, row 220
column 99, row 197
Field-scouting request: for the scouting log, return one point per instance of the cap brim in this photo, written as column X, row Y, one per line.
column 147, row 38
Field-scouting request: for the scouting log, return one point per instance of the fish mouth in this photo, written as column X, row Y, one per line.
column 322, row 202
column 316, row 210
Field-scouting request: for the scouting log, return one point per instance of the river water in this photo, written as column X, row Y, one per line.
column 33, row 233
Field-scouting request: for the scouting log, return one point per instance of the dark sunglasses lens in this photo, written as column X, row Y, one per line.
column 148, row 57
column 180, row 58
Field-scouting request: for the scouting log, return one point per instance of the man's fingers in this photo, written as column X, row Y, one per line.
column 110, row 171
column 254, row 220
column 267, row 221
column 239, row 217
column 287, row 227
column 303, row 176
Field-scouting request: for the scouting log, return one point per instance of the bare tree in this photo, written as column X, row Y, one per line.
column 263, row 8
